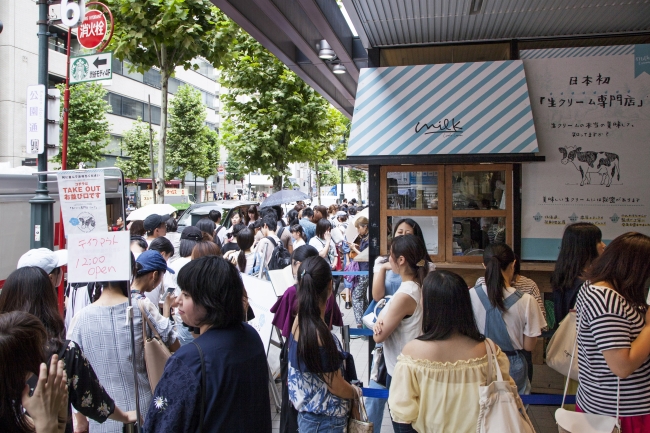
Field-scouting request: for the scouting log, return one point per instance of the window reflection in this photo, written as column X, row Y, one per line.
column 412, row 190
column 479, row 190
column 472, row 235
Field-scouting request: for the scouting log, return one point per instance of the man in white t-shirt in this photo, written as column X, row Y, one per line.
column 265, row 246
column 156, row 226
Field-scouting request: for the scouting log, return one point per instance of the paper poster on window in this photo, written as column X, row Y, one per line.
column 591, row 107
column 83, row 201
column 99, row 257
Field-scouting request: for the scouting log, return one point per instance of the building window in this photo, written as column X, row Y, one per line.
column 461, row 209
column 205, row 69
column 131, row 108
column 152, row 78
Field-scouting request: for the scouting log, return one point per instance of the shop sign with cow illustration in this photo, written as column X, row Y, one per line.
column 591, row 108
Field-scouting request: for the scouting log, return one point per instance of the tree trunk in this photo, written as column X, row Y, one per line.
column 164, row 84
column 277, row 183
column 359, row 191
column 205, row 188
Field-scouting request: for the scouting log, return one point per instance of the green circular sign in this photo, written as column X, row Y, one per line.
column 80, row 69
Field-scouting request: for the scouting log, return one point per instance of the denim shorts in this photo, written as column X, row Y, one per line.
column 316, row 423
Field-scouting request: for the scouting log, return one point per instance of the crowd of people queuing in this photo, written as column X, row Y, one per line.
column 76, row 372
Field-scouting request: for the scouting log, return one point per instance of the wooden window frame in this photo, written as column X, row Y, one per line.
column 445, row 211
column 385, row 212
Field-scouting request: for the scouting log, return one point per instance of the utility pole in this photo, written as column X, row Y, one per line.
column 42, row 220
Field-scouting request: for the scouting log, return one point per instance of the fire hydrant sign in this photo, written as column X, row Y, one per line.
column 93, row 67
column 92, row 30
column 83, row 201
column 99, row 257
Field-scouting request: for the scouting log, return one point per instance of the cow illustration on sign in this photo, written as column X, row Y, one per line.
column 588, row 162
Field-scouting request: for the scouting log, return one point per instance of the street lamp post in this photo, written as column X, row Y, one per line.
column 342, row 196
column 42, row 220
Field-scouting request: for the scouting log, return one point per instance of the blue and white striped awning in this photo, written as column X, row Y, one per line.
column 457, row 108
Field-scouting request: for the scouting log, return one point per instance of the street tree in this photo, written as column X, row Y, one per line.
column 167, row 35
column 235, row 169
column 329, row 144
column 357, row 176
column 186, row 136
column 209, row 157
column 135, row 145
column 272, row 113
column 88, row 128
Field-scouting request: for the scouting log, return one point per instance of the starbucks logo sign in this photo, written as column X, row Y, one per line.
column 80, row 69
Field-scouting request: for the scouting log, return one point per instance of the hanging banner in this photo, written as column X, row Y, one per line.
column 82, row 195
column 591, row 107
column 99, row 257
column 454, row 108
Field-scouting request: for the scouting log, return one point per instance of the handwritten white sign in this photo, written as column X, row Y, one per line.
column 83, row 201
column 99, row 257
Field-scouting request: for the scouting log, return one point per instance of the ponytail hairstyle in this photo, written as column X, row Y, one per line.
column 497, row 258
column 415, row 253
column 314, row 282
column 245, row 240
column 297, row 228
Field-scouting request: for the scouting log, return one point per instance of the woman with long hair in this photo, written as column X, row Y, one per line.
column 103, row 332
column 226, row 364
column 614, row 334
column 582, row 243
column 252, row 215
column 292, row 217
column 244, row 257
column 22, row 339
column 284, row 314
column 401, row 320
column 385, row 283
column 512, row 319
column 437, row 377
column 29, row 289
column 317, row 388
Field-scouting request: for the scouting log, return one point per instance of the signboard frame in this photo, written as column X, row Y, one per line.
column 106, row 58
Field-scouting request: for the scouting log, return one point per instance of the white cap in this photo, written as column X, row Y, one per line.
column 44, row 258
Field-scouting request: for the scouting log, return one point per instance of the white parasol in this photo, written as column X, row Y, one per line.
column 151, row 209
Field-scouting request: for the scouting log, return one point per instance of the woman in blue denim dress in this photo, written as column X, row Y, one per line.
column 317, row 388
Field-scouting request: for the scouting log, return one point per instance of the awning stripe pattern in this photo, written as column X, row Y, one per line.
column 459, row 108
column 553, row 53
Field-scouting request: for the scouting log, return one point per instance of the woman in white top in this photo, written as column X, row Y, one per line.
column 297, row 236
column 401, row 320
column 322, row 241
column 245, row 256
column 512, row 319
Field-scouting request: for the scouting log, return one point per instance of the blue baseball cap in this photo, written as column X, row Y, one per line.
column 151, row 260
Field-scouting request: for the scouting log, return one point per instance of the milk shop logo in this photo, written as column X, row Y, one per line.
column 641, row 59
column 447, row 127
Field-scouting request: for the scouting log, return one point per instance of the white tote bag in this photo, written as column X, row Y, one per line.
column 502, row 410
column 370, row 318
column 579, row 422
column 558, row 351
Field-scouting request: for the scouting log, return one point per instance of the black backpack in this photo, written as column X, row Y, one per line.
column 280, row 258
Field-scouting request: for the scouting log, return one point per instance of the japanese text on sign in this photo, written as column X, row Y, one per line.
column 99, row 257
column 35, row 119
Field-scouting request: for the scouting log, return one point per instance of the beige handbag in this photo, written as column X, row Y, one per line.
column 156, row 353
column 362, row 425
column 501, row 408
column 580, row 422
column 558, row 351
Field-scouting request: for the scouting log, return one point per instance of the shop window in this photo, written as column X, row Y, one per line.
column 461, row 209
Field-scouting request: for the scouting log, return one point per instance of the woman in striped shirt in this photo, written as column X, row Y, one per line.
column 614, row 334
